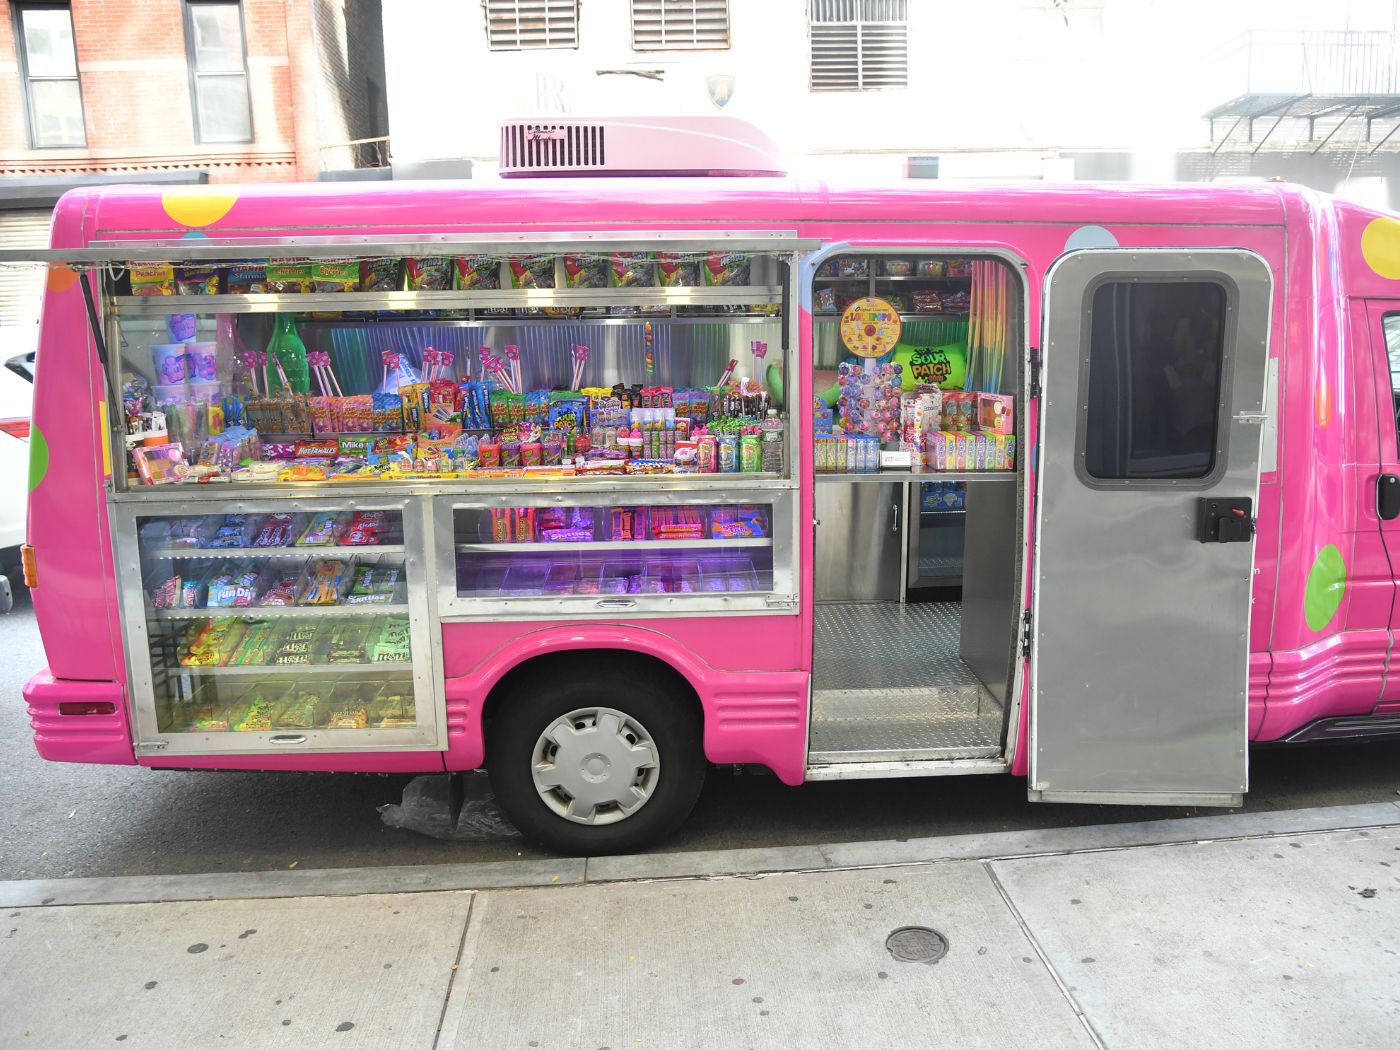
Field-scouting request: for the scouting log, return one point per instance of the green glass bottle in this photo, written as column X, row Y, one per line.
column 288, row 348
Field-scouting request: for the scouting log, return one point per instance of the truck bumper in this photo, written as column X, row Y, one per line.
column 103, row 738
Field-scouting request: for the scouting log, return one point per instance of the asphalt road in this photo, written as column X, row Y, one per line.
column 59, row 820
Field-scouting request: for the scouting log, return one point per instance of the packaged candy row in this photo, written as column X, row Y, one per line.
column 443, row 273
column 213, row 532
column 240, row 642
column 545, row 577
column 273, row 705
column 859, row 267
column 943, row 496
column 254, row 585
column 618, row 524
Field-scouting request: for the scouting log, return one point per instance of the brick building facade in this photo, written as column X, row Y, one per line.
column 250, row 91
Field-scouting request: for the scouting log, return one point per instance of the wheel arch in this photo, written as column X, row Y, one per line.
column 746, row 717
column 622, row 660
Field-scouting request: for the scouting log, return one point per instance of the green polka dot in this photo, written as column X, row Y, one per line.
column 38, row 457
column 1327, row 583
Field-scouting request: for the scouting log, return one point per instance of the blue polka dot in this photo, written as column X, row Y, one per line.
column 1090, row 237
column 194, row 233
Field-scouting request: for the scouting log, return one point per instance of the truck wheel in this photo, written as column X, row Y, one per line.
column 586, row 770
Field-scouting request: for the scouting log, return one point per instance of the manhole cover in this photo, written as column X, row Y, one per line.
column 917, row 944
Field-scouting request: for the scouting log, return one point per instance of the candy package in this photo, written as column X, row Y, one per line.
column 477, row 271
column 323, row 582
column 152, row 278
column 432, row 274
column 677, row 270
column 586, row 271
column 233, row 587
column 166, row 593
column 531, row 271
column 196, row 280
column 281, row 589
column 320, row 531
column 160, row 464
column 364, row 529
column 726, row 268
column 246, row 278
column 335, row 275
column 380, row 275
column 631, row 270
column 275, row 530
column 288, row 276
column 233, row 532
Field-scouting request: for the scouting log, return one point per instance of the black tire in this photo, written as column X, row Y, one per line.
column 670, row 719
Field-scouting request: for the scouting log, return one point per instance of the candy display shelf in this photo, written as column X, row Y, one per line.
column 273, row 611
column 919, row 474
column 614, row 545
column 283, row 669
column 518, row 298
column 173, row 553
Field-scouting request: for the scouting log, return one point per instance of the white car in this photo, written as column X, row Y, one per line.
column 16, row 402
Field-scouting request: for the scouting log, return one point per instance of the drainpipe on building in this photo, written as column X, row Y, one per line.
column 303, row 73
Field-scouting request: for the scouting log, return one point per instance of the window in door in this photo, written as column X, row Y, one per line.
column 218, row 71
column 1156, row 370
column 49, row 64
column 1390, row 326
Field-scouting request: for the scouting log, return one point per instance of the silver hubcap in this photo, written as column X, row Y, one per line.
column 595, row 765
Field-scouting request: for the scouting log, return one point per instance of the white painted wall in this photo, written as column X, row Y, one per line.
column 983, row 75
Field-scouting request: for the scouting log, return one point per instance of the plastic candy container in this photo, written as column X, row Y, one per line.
column 869, row 401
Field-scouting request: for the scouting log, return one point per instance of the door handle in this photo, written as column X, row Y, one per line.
column 616, row 603
column 1388, row 497
column 1224, row 520
column 895, row 526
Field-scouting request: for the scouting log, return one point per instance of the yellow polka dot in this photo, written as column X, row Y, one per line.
column 1380, row 247
column 197, row 205
column 61, row 278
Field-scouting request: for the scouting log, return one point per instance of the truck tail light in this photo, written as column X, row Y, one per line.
column 87, row 707
column 31, row 568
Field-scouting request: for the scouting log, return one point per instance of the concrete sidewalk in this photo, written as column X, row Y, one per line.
column 1241, row 931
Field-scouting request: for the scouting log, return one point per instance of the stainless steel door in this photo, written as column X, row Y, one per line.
column 1150, row 418
column 860, row 541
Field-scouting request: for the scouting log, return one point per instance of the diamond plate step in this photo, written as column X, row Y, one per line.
column 888, row 685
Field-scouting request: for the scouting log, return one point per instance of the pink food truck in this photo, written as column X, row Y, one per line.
column 594, row 481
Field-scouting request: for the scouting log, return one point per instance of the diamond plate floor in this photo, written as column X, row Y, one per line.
column 888, row 684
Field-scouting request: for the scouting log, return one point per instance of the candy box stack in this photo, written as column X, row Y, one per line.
column 921, row 413
column 995, row 413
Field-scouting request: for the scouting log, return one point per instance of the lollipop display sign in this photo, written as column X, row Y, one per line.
column 870, row 327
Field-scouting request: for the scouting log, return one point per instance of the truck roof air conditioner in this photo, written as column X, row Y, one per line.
column 619, row 146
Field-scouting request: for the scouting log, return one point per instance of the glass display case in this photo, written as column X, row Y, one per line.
column 581, row 554
column 278, row 624
column 483, row 367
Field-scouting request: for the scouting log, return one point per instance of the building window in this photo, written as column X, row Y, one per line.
column 49, row 66
column 518, row 25
column 859, row 45
column 218, row 71
column 680, row 25
column 1156, row 367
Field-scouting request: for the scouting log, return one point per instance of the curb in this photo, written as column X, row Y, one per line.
column 524, row 874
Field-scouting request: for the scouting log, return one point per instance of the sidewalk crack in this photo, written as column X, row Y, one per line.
column 456, row 966
column 1043, row 956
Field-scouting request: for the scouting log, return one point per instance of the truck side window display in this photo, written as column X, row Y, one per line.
column 340, row 396
column 278, row 621
column 912, row 363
